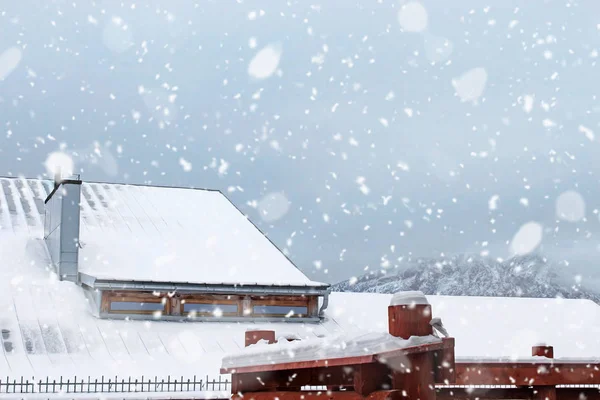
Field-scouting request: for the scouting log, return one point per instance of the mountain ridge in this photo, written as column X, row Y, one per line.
column 530, row 275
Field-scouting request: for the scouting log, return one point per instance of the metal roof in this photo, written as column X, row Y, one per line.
column 157, row 234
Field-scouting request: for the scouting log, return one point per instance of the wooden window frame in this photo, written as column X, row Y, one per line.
column 174, row 305
column 210, row 300
column 281, row 301
column 132, row 297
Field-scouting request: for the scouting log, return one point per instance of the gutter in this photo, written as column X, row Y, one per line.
column 179, row 318
column 325, row 304
column 218, row 288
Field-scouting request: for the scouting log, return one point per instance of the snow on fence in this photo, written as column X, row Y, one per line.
column 113, row 385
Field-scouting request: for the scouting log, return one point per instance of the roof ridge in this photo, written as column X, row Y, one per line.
column 118, row 183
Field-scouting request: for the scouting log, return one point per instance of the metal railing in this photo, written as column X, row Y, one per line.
column 113, row 385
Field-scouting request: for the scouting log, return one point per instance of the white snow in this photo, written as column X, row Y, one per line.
column 587, row 132
column 527, row 103
column 9, row 60
column 470, row 85
column 332, row 347
column 527, row 238
column 54, row 319
column 412, row 17
column 59, row 161
column 489, row 326
column 117, row 35
column 144, row 233
column 570, row 206
column 437, row 49
column 186, row 165
column 408, row 298
column 52, row 331
column 265, row 62
column 493, row 202
column 273, row 206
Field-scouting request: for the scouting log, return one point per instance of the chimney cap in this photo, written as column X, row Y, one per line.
column 412, row 297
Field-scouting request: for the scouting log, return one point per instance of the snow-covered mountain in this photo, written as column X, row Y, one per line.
column 464, row 275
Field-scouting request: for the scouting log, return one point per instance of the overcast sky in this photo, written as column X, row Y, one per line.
column 354, row 133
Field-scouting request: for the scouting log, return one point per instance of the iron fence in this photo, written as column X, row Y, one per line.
column 113, row 385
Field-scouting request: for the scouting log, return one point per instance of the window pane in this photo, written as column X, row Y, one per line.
column 281, row 310
column 210, row 308
column 135, row 306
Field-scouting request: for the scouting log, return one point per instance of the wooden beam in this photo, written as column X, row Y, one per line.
column 418, row 383
column 382, row 358
column 369, row 378
column 347, row 395
column 544, row 393
column 422, row 348
column 484, row 393
column 568, row 393
column 293, row 380
column 295, row 365
column 385, row 395
column 324, row 395
column 444, row 363
column 527, row 374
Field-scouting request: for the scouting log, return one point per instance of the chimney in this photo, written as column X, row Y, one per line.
column 542, row 350
column 255, row 336
column 61, row 226
column 409, row 314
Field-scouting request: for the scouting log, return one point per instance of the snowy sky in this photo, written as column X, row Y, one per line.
column 354, row 133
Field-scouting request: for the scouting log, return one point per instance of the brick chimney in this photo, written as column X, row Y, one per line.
column 253, row 337
column 542, row 350
column 409, row 314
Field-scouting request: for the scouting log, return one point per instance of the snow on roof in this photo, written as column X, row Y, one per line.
column 489, row 327
column 47, row 327
column 157, row 234
column 355, row 344
column 408, row 298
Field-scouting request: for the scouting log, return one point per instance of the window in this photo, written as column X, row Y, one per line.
column 135, row 306
column 133, row 303
column 278, row 311
column 282, row 307
column 197, row 305
column 215, row 309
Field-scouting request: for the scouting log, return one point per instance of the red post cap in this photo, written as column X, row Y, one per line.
column 542, row 350
column 253, row 337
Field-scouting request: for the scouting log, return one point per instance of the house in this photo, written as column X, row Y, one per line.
column 126, row 281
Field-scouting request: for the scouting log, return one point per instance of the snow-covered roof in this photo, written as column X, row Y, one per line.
column 158, row 234
column 488, row 327
column 355, row 344
column 47, row 327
